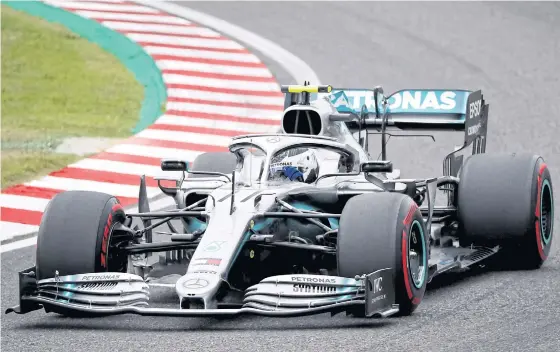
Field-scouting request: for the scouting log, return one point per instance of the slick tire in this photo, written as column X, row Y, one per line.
column 224, row 162
column 507, row 200
column 75, row 235
column 386, row 230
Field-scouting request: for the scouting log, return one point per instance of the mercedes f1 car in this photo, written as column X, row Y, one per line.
column 302, row 221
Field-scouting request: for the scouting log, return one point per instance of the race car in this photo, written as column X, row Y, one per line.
column 302, row 221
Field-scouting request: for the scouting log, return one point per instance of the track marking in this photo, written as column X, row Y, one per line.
column 202, row 54
column 160, row 28
column 195, row 42
column 296, row 67
column 222, row 97
column 100, row 6
column 228, row 85
column 205, row 65
column 163, row 19
column 241, row 127
column 18, row 244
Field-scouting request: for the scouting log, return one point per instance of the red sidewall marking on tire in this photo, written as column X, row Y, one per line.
column 540, row 245
column 404, row 254
column 106, row 231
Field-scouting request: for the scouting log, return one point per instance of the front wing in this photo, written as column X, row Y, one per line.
column 279, row 296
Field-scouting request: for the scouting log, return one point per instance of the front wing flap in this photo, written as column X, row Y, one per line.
column 278, row 296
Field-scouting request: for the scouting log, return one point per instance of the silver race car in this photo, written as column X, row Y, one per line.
column 301, row 221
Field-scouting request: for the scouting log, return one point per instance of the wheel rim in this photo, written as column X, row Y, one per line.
column 417, row 258
column 547, row 212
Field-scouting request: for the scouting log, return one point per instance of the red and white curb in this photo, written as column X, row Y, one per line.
column 216, row 89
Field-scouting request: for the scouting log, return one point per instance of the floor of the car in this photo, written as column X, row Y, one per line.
column 451, row 258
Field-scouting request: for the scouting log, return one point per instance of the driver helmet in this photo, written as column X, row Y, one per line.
column 299, row 164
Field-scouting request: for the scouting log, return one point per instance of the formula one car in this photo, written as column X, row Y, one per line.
column 302, row 221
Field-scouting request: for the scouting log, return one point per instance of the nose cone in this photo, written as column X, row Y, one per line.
column 197, row 284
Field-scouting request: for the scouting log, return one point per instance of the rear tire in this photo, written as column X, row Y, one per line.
column 75, row 235
column 384, row 230
column 508, row 200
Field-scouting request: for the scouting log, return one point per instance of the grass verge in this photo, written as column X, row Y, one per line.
column 57, row 85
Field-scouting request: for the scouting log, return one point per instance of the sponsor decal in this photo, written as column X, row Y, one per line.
column 377, row 285
column 101, row 277
column 377, row 289
column 279, row 166
column 475, row 108
column 419, row 100
column 208, row 261
column 282, row 163
column 315, row 280
column 195, row 284
column 473, row 129
column 306, row 288
column 444, row 101
column 340, row 100
column 210, row 272
column 378, row 298
column 214, row 246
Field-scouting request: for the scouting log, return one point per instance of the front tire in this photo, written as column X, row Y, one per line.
column 75, row 235
column 386, row 230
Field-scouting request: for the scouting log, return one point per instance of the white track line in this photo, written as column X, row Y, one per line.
column 66, row 184
column 160, row 28
column 106, row 1
column 226, row 110
column 220, row 83
column 155, row 152
column 213, row 68
column 102, row 16
column 200, row 54
column 87, row 5
column 19, row 244
column 179, row 136
column 194, row 42
column 242, row 127
column 117, row 166
column 222, row 97
column 123, row 168
column 28, row 229
column 23, row 202
column 9, row 230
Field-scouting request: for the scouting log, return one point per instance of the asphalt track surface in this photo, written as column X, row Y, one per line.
column 509, row 50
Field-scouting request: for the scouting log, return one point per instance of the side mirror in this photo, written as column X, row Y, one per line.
column 394, row 175
column 376, row 166
column 174, row 165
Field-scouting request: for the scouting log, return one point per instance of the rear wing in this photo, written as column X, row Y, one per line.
column 413, row 109
column 430, row 109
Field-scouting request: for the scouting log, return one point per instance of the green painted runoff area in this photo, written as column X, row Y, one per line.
column 63, row 81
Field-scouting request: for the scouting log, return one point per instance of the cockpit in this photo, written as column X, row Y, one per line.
column 279, row 158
